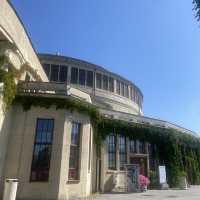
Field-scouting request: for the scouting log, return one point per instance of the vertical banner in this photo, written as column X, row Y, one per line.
column 162, row 174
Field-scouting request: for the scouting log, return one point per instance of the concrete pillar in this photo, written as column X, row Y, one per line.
column 128, row 151
column 117, row 154
column 115, row 86
column 147, row 152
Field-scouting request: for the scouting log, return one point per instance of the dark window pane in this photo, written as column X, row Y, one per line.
column 98, row 80
column 74, row 152
column 122, row 89
column 105, row 82
column 82, row 76
column 47, row 69
column 122, row 151
column 42, row 150
column 141, row 147
column 132, row 93
column 126, row 91
column 63, row 73
column 89, row 78
column 27, row 77
column 136, row 97
column 118, row 87
column 111, row 84
column 112, row 152
column 135, row 94
column 54, row 72
column 74, row 75
column 133, row 147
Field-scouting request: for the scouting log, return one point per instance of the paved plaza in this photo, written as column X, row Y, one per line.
column 191, row 194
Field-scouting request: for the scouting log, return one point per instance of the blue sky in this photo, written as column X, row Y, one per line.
column 154, row 43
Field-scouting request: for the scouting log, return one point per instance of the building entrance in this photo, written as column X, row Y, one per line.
column 141, row 161
column 132, row 177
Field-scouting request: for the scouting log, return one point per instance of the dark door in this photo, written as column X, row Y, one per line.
column 142, row 162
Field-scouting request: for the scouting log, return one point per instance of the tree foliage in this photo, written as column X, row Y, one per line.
column 197, row 8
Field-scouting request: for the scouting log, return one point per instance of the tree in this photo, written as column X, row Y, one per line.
column 197, row 8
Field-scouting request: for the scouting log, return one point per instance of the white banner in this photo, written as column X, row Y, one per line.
column 162, row 174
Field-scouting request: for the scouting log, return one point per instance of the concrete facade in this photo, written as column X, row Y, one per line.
column 16, row 46
column 13, row 31
column 20, row 150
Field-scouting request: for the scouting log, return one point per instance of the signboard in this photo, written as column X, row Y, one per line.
column 162, row 174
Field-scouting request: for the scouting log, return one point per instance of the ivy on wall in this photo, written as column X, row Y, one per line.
column 180, row 152
column 28, row 68
column 9, row 90
column 8, row 78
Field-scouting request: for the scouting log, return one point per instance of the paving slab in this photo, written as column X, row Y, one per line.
column 193, row 193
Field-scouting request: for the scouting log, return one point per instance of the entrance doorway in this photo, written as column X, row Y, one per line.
column 141, row 161
column 132, row 177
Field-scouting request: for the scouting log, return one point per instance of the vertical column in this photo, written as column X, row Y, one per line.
column 127, row 151
column 115, row 86
column 117, row 154
column 69, row 75
column 104, row 165
column 147, row 152
column 94, row 82
column 137, row 146
column 129, row 91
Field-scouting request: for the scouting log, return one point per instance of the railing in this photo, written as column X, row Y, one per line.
column 49, row 88
column 43, row 88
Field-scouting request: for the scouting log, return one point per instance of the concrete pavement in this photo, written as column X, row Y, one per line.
column 192, row 193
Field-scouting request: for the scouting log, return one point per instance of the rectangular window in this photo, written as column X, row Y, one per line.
column 105, row 82
column 122, row 89
column 82, row 76
column 112, row 152
column 63, row 73
column 42, row 150
column 98, row 80
column 90, row 80
column 47, row 69
column 136, row 97
column 122, row 151
column 140, row 100
column 74, row 151
column 111, row 84
column 126, row 91
column 54, row 73
column 118, row 87
column 74, row 75
column 27, row 77
column 132, row 146
column 141, row 147
column 132, row 93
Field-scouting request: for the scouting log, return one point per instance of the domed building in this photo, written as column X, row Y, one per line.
column 70, row 128
column 107, row 89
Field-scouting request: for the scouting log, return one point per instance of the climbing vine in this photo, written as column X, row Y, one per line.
column 9, row 90
column 8, row 78
column 180, row 152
